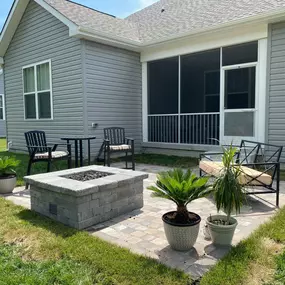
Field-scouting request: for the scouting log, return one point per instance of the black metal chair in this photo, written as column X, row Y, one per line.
column 115, row 141
column 39, row 151
column 261, row 157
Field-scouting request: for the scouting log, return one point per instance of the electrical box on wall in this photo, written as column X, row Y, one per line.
column 94, row 125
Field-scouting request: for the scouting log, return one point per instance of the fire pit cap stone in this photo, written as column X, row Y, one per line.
column 56, row 182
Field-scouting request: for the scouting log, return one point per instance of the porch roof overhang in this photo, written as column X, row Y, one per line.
column 19, row 7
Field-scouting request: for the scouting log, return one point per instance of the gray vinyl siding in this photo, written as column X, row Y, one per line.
column 113, row 86
column 2, row 122
column 276, row 100
column 39, row 37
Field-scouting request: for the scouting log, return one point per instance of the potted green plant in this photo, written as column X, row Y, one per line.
column 8, row 177
column 229, row 196
column 181, row 226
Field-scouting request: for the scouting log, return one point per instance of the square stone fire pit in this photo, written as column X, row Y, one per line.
column 86, row 196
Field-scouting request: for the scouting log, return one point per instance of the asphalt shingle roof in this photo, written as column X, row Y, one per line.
column 166, row 18
column 182, row 16
column 95, row 20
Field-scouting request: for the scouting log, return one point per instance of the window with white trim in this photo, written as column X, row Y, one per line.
column 37, row 91
column 2, row 107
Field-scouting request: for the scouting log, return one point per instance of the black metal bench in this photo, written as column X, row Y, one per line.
column 260, row 166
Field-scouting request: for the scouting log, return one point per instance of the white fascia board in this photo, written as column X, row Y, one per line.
column 57, row 14
column 91, row 35
column 11, row 24
column 15, row 16
column 206, row 41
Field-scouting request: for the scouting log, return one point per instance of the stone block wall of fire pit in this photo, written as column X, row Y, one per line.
column 66, row 198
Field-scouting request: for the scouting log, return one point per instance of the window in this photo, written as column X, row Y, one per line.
column 37, row 91
column 240, row 88
column 2, row 108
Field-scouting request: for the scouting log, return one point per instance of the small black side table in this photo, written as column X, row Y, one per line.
column 79, row 140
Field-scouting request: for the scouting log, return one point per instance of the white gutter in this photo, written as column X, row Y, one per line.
column 105, row 38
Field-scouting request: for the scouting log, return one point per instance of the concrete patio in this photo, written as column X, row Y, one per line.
column 142, row 231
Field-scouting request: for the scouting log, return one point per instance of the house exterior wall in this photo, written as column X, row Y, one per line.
column 39, row 37
column 2, row 122
column 276, row 88
column 113, row 90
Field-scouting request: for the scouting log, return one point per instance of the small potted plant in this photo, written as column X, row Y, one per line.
column 181, row 227
column 229, row 196
column 8, row 177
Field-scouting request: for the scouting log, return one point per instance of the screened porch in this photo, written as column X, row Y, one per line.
column 203, row 98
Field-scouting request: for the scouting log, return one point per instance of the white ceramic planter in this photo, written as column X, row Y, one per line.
column 220, row 234
column 181, row 237
column 7, row 185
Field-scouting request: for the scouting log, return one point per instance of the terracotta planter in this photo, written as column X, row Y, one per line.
column 7, row 184
column 181, row 237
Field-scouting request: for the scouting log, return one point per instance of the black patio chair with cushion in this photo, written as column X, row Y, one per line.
column 115, row 141
column 39, row 151
column 259, row 171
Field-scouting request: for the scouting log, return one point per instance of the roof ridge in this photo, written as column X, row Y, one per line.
column 90, row 8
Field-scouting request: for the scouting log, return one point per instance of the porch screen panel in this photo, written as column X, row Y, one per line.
column 163, row 76
column 200, row 82
column 200, row 98
column 239, row 54
column 163, row 86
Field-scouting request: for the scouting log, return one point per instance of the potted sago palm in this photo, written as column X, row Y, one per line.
column 181, row 187
column 8, row 177
column 229, row 196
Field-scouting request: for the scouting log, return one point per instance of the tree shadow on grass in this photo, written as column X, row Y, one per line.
column 46, row 223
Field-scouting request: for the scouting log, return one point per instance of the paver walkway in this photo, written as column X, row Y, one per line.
column 142, row 230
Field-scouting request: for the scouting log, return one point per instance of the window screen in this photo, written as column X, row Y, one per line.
column 163, row 86
column 239, row 54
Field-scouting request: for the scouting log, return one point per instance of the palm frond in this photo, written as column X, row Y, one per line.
column 180, row 187
column 8, row 165
column 229, row 193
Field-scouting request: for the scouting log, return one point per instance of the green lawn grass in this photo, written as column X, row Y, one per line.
column 254, row 260
column 3, row 144
column 172, row 161
column 167, row 160
column 37, row 250
column 155, row 159
column 40, row 167
column 15, row 270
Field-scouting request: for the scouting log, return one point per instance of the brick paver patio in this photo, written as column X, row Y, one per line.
column 142, row 230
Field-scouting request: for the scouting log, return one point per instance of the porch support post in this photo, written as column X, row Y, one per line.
column 262, row 85
column 144, row 102
column 222, row 91
column 179, row 99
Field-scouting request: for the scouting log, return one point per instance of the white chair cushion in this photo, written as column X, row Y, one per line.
column 120, row 147
column 248, row 176
column 54, row 154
